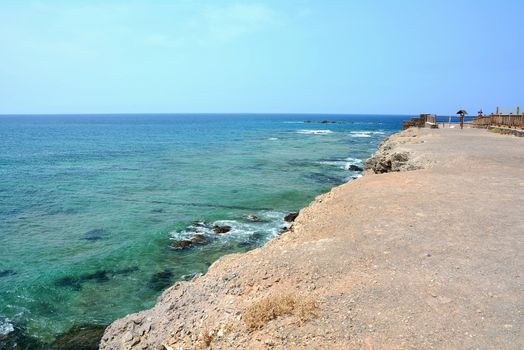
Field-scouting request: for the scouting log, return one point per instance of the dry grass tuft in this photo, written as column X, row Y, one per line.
column 260, row 313
column 205, row 339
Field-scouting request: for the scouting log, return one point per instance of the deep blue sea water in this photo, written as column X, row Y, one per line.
column 89, row 204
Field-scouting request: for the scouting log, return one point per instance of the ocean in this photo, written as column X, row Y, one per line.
column 91, row 204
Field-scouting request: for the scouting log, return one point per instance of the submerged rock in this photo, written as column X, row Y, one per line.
column 290, row 217
column 101, row 276
column 85, row 337
column 221, row 229
column 126, row 271
column 322, row 178
column 184, row 243
column 198, row 239
column 161, row 280
column 6, row 273
column 95, row 234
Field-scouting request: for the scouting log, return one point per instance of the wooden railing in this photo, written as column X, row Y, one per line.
column 507, row 120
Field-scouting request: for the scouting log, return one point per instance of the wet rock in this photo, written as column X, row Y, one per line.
column 161, row 280
column 221, row 229
column 85, row 337
column 353, row 167
column 7, row 273
column 182, row 244
column 95, row 234
column 253, row 218
column 290, row 217
column 198, row 239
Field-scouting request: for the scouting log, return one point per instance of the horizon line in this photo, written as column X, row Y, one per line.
column 203, row 113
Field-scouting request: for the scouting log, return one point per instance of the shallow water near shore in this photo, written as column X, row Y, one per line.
column 90, row 204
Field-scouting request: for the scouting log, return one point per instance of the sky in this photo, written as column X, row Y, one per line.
column 261, row 56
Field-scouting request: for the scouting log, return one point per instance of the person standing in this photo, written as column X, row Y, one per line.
column 462, row 113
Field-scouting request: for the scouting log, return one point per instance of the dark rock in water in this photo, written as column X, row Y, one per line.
column 283, row 229
column 161, row 280
column 6, row 273
column 85, row 337
column 98, row 276
column 95, row 234
column 353, row 167
column 75, row 282
column 157, row 210
column 290, row 217
column 198, row 239
column 185, row 243
column 323, row 178
column 69, row 282
column 253, row 218
column 126, row 271
column 221, row 229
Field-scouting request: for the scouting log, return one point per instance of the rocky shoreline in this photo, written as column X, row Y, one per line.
column 191, row 328
column 365, row 265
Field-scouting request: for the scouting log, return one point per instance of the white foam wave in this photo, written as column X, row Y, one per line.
column 355, row 161
column 270, row 224
column 360, row 134
column 338, row 163
column 314, row 132
column 273, row 138
column 6, row 327
column 343, row 163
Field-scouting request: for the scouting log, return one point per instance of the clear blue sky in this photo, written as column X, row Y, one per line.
column 322, row 56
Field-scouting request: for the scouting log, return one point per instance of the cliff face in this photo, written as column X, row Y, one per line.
column 389, row 260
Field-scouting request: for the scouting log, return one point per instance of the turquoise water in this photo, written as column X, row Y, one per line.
column 89, row 205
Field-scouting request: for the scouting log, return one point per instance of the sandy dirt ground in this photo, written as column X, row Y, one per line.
column 431, row 258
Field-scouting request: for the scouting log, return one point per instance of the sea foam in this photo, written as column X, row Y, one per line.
column 6, row 327
column 314, row 132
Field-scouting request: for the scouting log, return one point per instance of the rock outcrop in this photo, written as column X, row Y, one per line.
column 390, row 157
